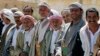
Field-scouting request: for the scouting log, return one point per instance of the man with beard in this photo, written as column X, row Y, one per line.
column 25, row 36
column 90, row 32
column 15, row 30
column 71, row 44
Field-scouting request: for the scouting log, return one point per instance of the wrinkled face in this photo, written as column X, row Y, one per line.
column 66, row 17
column 92, row 18
column 43, row 11
column 27, row 23
column 55, row 23
column 17, row 20
column 5, row 20
column 27, row 11
column 76, row 13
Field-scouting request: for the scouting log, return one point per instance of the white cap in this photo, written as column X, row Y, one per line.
column 44, row 4
column 75, row 5
column 14, row 9
column 18, row 13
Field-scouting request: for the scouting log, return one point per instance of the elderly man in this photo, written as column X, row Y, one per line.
column 71, row 43
column 90, row 32
column 8, row 21
column 15, row 30
column 25, row 36
column 58, row 27
column 66, row 15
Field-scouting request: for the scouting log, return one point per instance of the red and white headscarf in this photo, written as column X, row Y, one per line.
column 33, row 21
column 57, row 17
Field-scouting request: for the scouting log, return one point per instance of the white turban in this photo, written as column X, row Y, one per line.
column 9, row 14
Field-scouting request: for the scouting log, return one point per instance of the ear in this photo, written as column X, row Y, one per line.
column 98, row 18
column 82, row 11
column 86, row 18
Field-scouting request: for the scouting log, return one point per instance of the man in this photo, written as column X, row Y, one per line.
column 57, row 26
column 71, row 43
column 90, row 32
column 27, row 10
column 25, row 36
column 15, row 30
column 40, row 28
column 8, row 21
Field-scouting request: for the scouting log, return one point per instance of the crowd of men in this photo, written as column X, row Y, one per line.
column 54, row 34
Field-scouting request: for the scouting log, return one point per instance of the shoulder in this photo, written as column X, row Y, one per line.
column 83, row 28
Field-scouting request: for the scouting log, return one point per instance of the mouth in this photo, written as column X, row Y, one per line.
column 92, row 21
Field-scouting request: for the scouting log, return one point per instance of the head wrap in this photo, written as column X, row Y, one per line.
column 29, row 17
column 8, row 14
column 57, row 17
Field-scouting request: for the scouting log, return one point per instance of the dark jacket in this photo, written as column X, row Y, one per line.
column 1, row 26
column 77, row 49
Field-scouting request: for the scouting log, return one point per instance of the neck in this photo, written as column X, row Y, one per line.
column 17, row 26
column 76, row 21
column 94, row 28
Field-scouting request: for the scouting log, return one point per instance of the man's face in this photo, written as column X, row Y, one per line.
column 92, row 18
column 17, row 20
column 43, row 11
column 56, row 23
column 76, row 13
column 27, row 11
column 27, row 23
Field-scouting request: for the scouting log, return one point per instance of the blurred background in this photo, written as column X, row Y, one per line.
column 58, row 5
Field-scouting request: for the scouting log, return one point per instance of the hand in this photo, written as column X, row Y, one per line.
column 23, row 54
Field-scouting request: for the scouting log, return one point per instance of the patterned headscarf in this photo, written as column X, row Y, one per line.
column 57, row 17
column 29, row 17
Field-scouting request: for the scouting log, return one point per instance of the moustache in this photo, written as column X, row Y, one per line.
column 91, row 21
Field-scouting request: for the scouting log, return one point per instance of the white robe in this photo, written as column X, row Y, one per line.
column 15, row 36
column 42, row 29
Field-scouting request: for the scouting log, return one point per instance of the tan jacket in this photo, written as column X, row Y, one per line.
column 19, row 45
column 97, row 46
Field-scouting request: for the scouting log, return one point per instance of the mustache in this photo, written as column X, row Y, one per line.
column 92, row 21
